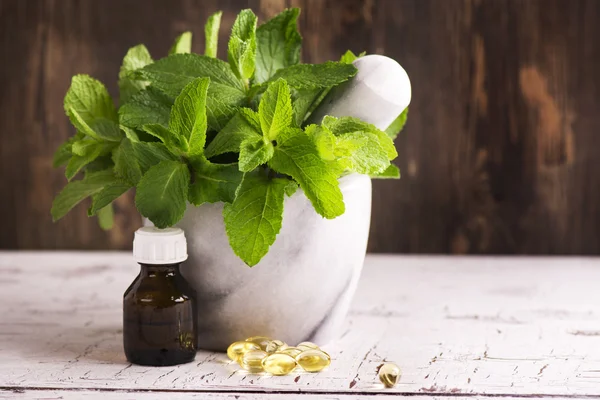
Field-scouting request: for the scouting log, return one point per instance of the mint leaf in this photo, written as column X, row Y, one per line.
column 74, row 192
column 151, row 153
column 245, row 124
column 324, row 140
column 188, row 116
column 313, row 76
column 391, row 172
column 278, row 44
column 84, row 146
column 90, row 108
column 90, row 99
column 221, row 104
column 254, row 152
column 303, row 101
column 396, row 127
column 211, row 32
column 291, row 188
column 214, row 183
column 339, row 126
column 175, row 143
column 63, row 154
column 162, row 192
column 92, row 152
column 172, row 73
column 349, row 57
column 126, row 164
column 182, row 44
column 106, row 218
column 275, row 109
column 296, row 155
column 107, row 195
column 137, row 57
column 225, row 92
column 130, row 134
column 241, row 50
column 254, row 219
column 101, row 163
column 149, row 106
column 366, row 155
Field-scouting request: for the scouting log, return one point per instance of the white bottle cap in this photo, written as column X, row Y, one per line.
column 159, row 246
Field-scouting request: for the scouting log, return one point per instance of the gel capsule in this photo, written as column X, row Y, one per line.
column 275, row 345
column 252, row 360
column 279, row 364
column 290, row 351
column 313, row 360
column 237, row 349
column 307, row 346
column 389, row 374
column 262, row 341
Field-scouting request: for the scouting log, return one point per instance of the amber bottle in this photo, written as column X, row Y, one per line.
column 159, row 307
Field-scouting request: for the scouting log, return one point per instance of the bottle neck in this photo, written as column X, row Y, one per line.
column 159, row 269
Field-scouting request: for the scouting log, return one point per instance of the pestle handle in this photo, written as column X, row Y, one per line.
column 378, row 93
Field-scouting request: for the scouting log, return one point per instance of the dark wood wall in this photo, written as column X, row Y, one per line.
column 501, row 153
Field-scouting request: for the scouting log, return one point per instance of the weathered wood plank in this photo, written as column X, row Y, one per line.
column 499, row 154
column 138, row 395
column 472, row 326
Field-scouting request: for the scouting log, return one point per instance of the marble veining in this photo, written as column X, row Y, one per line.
column 301, row 289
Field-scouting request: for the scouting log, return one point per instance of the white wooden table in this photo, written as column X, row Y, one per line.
column 458, row 327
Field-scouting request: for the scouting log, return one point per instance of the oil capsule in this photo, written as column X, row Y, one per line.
column 389, row 374
column 313, row 360
column 274, row 346
column 307, row 346
column 262, row 341
column 252, row 360
column 279, row 364
column 290, row 351
column 237, row 349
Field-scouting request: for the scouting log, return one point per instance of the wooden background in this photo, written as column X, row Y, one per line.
column 501, row 153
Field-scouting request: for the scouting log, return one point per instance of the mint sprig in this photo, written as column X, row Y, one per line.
column 193, row 129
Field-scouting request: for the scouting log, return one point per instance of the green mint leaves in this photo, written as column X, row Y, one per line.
column 275, row 109
column 241, row 51
column 297, row 156
column 278, row 45
column 254, row 219
column 211, row 32
column 188, row 116
column 137, row 57
column 396, row 127
column 91, row 110
column 162, row 193
column 194, row 129
column 182, row 44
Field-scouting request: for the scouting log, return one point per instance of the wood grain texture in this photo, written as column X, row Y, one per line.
column 478, row 326
column 500, row 154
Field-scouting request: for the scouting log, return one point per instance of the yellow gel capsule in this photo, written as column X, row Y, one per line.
column 290, row 351
column 262, row 341
column 237, row 349
column 279, row 364
column 275, row 345
column 313, row 360
column 389, row 374
column 252, row 360
column 307, row 346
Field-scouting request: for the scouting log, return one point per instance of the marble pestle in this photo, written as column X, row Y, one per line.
column 378, row 93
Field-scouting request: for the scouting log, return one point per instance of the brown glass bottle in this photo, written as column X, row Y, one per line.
column 159, row 310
